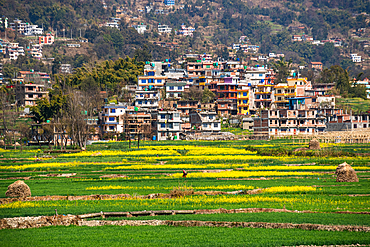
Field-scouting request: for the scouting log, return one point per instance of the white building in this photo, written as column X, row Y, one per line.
column 111, row 117
column 147, row 99
column 175, row 89
column 33, row 30
column 168, row 125
column 35, row 51
column 140, row 28
column 205, row 121
column 355, row 58
column 256, row 75
column 186, row 31
column 164, row 29
column 73, row 45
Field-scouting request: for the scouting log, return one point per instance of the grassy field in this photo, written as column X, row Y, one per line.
column 175, row 236
column 288, row 181
column 357, row 105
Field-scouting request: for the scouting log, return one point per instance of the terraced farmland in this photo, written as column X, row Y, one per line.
column 228, row 183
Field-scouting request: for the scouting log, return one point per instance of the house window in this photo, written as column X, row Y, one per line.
column 179, row 87
column 176, row 115
column 143, row 81
column 245, row 108
column 208, row 66
column 111, row 119
column 245, row 101
column 163, row 125
column 150, row 80
column 245, row 94
column 163, row 116
column 172, row 87
column 159, row 81
column 176, row 124
column 215, row 125
column 113, row 110
column 205, row 125
column 210, row 117
column 139, row 102
column 111, row 127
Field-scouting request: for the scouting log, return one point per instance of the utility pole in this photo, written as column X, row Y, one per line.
column 80, row 32
column 71, row 33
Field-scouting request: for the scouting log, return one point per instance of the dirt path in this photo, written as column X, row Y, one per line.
column 42, row 221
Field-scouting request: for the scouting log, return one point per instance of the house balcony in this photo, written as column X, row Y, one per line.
column 243, row 105
column 262, row 100
column 109, row 123
column 281, row 101
column 226, row 90
column 262, row 93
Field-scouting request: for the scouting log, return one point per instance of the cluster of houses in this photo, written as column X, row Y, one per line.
column 158, row 109
column 161, row 106
column 26, row 28
column 306, row 38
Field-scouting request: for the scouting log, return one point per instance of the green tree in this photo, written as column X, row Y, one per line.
column 208, row 96
column 282, row 70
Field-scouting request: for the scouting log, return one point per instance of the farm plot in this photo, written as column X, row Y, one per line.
column 225, row 175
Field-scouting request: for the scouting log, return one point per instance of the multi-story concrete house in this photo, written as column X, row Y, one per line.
column 263, row 96
column 186, row 106
column 295, row 87
column 320, row 89
column 111, row 118
column 315, row 66
column 243, row 100
column 164, row 29
column 28, row 93
column 147, row 98
column 35, row 51
column 201, row 68
column 256, row 75
column 227, row 96
column 175, row 89
column 186, row 31
column 205, row 121
column 282, row 122
column 356, row 58
column 48, row 39
column 151, row 81
column 168, row 125
column 34, row 77
column 169, row 2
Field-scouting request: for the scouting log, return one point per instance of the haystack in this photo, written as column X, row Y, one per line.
column 345, row 173
column 314, row 144
column 18, row 189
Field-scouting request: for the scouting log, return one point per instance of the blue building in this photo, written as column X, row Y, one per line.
column 169, row 2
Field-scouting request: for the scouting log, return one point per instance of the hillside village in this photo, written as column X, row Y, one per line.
column 184, row 123
column 194, row 101
column 196, row 90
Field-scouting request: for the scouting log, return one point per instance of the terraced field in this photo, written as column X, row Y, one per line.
column 231, row 196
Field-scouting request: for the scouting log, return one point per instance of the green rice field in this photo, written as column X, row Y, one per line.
column 245, row 174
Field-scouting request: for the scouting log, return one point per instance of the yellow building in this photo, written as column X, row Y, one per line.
column 243, row 101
